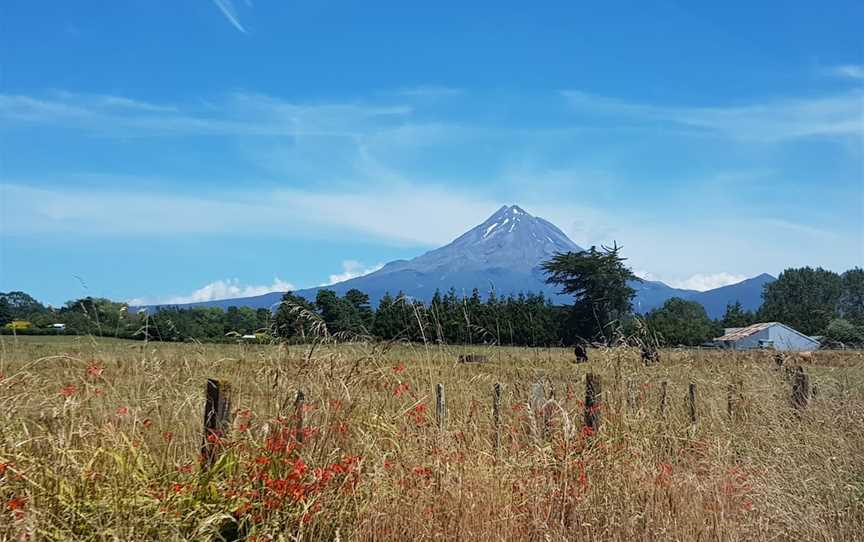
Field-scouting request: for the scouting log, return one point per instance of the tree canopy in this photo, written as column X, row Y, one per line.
column 682, row 322
column 598, row 280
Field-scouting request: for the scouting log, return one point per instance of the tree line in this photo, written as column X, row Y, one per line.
column 813, row 301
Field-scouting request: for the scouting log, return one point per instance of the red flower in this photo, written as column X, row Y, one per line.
column 16, row 503
column 664, row 474
column 401, row 388
column 94, row 371
column 587, row 431
column 68, row 390
column 122, row 411
column 147, row 423
column 399, row 368
column 167, row 436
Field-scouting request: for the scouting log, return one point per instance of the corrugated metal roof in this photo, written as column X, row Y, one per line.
column 743, row 332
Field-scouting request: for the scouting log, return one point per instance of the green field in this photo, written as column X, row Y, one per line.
column 100, row 439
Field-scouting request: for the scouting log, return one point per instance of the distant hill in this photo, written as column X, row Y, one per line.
column 503, row 253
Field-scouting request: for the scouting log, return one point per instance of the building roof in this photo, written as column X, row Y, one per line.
column 736, row 334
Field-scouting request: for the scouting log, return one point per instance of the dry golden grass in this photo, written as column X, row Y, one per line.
column 99, row 440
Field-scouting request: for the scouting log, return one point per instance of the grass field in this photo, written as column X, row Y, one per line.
column 100, row 440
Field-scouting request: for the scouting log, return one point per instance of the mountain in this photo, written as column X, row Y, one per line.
column 748, row 292
column 503, row 253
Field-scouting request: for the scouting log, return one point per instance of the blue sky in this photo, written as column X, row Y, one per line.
column 199, row 149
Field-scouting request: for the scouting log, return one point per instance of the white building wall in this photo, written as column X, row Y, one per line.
column 787, row 340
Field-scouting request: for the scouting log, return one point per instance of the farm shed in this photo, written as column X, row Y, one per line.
column 771, row 335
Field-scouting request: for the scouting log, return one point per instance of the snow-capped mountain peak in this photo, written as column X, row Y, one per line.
column 511, row 239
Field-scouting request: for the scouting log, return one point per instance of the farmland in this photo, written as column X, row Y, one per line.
column 100, row 439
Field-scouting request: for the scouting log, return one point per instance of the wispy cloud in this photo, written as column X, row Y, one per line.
column 351, row 269
column 230, row 12
column 219, row 289
column 851, row 71
column 413, row 212
column 840, row 115
column 247, row 114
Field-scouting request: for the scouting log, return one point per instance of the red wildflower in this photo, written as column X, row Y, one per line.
column 663, row 476
column 147, row 423
column 167, row 436
column 399, row 368
column 335, row 404
column 401, row 388
column 3, row 467
column 587, row 431
column 94, row 371
column 68, row 390
column 16, row 503
column 122, row 411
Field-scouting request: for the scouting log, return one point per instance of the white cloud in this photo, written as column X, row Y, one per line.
column 702, row 282
column 351, row 269
column 397, row 212
column 769, row 121
column 220, row 289
column 248, row 114
column 851, row 71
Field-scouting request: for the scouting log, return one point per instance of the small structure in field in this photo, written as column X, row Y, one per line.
column 581, row 353
column 766, row 335
column 59, row 328
column 472, row 358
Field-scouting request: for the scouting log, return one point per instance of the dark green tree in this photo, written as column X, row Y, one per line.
column 598, row 281
column 736, row 316
column 852, row 297
column 681, row 322
column 360, row 302
column 843, row 331
column 389, row 324
column 291, row 321
column 805, row 299
column 5, row 312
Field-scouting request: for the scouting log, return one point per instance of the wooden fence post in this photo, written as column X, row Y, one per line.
column 299, row 413
column 663, row 392
column 733, row 394
column 496, row 417
column 538, row 400
column 631, row 395
column 801, row 389
column 691, row 402
column 593, row 391
column 217, row 418
column 440, row 411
